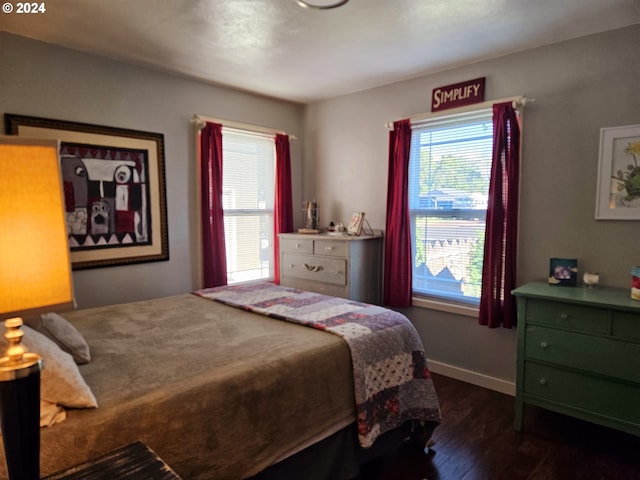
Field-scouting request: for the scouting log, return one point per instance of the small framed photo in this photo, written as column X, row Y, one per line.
column 563, row 272
column 355, row 225
column 618, row 194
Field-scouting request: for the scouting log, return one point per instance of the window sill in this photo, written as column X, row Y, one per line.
column 467, row 311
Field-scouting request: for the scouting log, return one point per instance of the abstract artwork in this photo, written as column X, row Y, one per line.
column 114, row 193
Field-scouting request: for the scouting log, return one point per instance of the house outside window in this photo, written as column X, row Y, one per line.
column 449, row 172
column 248, row 180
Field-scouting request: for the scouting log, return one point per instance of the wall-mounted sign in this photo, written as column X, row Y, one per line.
column 458, row 95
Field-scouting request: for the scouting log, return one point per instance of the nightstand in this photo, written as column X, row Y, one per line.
column 579, row 353
column 132, row 462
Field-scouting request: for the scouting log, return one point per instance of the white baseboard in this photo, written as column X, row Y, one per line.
column 475, row 378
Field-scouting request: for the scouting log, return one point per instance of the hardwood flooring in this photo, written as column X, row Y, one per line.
column 476, row 441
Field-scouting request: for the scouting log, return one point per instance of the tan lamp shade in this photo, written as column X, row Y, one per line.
column 35, row 271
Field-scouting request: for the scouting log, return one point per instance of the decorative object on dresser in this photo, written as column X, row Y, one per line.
column 563, row 272
column 343, row 266
column 635, row 283
column 579, row 354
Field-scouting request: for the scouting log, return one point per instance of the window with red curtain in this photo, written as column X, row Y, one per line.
column 462, row 207
column 245, row 204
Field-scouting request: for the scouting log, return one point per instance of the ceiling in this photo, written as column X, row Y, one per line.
column 278, row 49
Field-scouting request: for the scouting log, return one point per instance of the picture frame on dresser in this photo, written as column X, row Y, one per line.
column 618, row 189
column 114, row 184
column 356, row 223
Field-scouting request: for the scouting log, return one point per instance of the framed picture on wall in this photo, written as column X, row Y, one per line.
column 114, row 190
column 618, row 194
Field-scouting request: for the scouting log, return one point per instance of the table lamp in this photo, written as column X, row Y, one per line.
column 35, row 276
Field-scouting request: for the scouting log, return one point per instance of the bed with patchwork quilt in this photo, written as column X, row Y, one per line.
column 246, row 380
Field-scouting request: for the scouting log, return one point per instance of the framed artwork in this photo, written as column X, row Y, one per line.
column 114, row 190
column 618, row 194
column 355, row 225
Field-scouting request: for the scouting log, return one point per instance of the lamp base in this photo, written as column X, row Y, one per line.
column 20, row 414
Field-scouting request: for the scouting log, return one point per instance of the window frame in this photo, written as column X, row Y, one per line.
column 464, row 115
column 231, row 214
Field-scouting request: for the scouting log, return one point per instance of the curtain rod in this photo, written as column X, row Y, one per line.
column 518, row 102
column 200, row 120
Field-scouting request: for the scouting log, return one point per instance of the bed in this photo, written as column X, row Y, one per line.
column 230, row 383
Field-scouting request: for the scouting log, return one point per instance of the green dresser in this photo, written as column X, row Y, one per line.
column 579, row 353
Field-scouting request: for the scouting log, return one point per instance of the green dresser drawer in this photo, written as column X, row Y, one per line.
column 568, row 316
column 593, row 394
column 600, row 355
column 626, row 325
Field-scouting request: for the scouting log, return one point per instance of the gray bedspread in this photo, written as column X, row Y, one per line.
column 217, row 392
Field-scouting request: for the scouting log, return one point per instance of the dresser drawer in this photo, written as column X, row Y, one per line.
column 568, row 316
column 309, row 267
column 317, row 287
column 592, row 394
column 330, row 248
column 296, row 245
column 604, row 356
column 626, row 325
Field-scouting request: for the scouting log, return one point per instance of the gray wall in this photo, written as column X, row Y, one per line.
column 41, row 80
column 579, row 87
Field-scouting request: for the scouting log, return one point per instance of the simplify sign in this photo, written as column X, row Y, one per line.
column 457, row 95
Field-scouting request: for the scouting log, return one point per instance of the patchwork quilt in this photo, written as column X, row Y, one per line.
column 391, row 381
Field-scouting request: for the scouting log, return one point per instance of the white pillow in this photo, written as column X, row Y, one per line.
column 61, row 382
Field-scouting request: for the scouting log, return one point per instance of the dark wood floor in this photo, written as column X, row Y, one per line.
column 476, row 441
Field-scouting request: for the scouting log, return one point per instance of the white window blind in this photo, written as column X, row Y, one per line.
column 449, row 171
column 248, row 196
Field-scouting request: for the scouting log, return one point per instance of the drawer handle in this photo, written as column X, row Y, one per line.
column 297, row 245
column 328, row 248
column 544, row 344
column 336, row 272
column 313, row 268
column 564, row 315
column 543, row 381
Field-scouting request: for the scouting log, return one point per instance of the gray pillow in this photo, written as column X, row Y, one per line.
column 64, row 334
column 61, row 382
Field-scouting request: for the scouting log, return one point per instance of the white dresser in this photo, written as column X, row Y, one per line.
column 342, row 266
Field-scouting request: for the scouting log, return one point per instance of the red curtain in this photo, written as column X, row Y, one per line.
column 283, row 208
column 397, row 247
column 214, row 259
column 497, row 305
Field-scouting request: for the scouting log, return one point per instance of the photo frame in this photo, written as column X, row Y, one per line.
column 355, row 225
column 114, row 190
column 563, row 272
column 618, row 193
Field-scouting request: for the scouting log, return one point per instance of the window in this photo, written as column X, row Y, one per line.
column 247, row 201
column 449, row 171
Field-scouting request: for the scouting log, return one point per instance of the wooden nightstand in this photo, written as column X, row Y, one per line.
column 579, row 354
column 132, row 462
